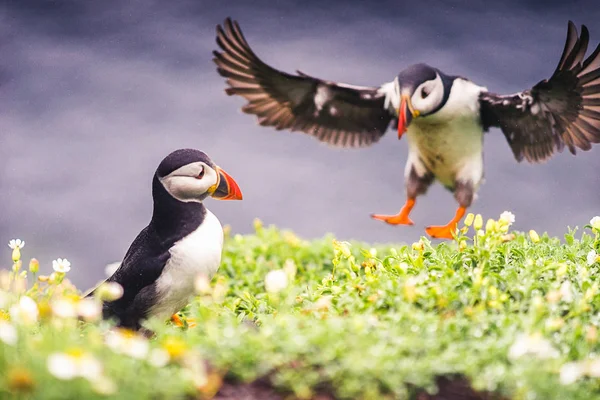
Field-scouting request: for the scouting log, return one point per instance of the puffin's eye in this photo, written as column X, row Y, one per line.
column 424, row 92
column 201, row 174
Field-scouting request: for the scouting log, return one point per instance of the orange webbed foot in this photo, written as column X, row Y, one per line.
column 398, row 219
column 442, row 232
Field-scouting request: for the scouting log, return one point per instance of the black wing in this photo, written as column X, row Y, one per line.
column 341, row 115
column 140, row 268
column 562, row 110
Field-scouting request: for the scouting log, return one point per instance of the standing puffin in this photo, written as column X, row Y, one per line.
column 183, row 240
column 444, row 116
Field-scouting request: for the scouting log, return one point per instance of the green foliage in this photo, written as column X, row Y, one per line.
column 516, row 314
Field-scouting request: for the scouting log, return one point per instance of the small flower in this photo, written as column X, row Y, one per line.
column 566, row 292
column 507, row 218
column 323, row 303
column 89, row 309
column 478, row 223
column 61, row 265
column 202, row 284
column 74, row 364
column 104, row 386
column 63, row 308
column 418, row 246
column 290, row 268
column 570, row 373
column 110, row 291
column 8, row 333
column 592, row 257
column 469, row 219
column 127, row 342
column 159, row 358
column 20, row 380
column 34, row 266
column 534, row 236
column 26, row 311
column 174, row 347
column 276, row 281
column 595, row 223
column 16, row 245
column 342, row 248
column 490, row 225
column 111, row 268
column 534, row 345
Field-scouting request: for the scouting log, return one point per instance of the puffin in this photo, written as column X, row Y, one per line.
column 183, row 240
column 444, row 117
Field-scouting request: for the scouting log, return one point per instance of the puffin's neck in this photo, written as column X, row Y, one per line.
column 173, row 219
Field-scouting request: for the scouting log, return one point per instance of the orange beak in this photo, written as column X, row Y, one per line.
column 406, row 112
column 227, row 187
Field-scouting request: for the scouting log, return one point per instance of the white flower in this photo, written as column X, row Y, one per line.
column 595, row 223
column 570, row 373
column 534, row 345
column 159, row 358
column 127, row 342
column 63, row 308
column 593, row 368
column 16, row 244
column 591, row 257
column 566, row 291
column 61, row 265
column 202, row 284
column 89, row 309
column 276, row 281
column 67, row 366
column 8, row 333
column 26, row 311
column 104, row 386
column 507, row 217
column 111, row 268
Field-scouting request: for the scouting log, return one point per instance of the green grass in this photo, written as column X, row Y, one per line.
column 508, row 312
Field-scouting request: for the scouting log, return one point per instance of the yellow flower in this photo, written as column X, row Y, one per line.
column 175, row 347
column 20, row 380
column 490, row 225
column 34, row 266
column 478, row 223
column 109, row 291
column 534, row 236
column 469, row 219
column 418, row 246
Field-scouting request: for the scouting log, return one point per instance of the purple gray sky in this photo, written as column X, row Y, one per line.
column 94, row 94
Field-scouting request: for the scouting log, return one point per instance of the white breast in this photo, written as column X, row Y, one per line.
column 450, row 142
column 199, row 253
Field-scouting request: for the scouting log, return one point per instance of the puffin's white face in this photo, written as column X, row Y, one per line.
column 428, row 96
column 192, row 182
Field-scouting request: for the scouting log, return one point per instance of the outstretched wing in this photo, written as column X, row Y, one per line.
column 562, row 110
column 341, row 115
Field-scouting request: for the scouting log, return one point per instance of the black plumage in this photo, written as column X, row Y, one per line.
column 562, row 110
column 341, row 115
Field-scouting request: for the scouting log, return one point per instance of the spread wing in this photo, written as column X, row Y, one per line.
column 338, row 114
column 562, row 110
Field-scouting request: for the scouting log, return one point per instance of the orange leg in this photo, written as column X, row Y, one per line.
column 401, row 218
column 447, row 231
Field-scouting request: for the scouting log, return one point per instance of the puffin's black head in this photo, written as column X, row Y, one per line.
column 422, row 91
column 189, row 175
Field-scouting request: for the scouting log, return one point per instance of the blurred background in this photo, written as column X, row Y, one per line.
column 93, row 94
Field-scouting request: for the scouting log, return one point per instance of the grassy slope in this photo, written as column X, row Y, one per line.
column 358, row 322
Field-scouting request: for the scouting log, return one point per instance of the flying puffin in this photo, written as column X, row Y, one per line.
column 444, row 117
column 183, row 240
